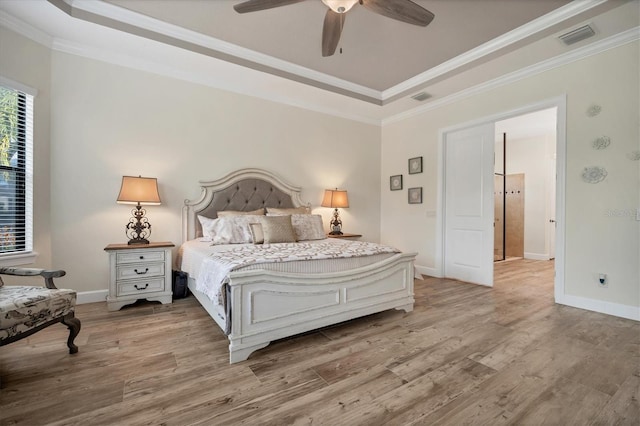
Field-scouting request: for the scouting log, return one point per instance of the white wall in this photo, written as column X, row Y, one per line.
column 595, row 242
column 108, row 121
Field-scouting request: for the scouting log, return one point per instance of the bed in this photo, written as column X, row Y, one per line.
column 258, row 304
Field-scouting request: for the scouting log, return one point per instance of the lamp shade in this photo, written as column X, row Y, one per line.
column 335, row 198
column 140, row 190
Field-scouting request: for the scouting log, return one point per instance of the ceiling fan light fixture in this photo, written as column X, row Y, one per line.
column 340, row 6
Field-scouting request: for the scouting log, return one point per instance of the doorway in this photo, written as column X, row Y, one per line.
column 448, row 246
column 524, row 190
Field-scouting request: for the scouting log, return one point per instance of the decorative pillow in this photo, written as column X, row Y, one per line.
column 206, row 223
column 256, row 233
column 271, row 211
column 277, row 229
column 225, row 213
column 308, row 227
column 229, row 229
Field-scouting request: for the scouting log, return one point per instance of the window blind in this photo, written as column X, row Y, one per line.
column 16, row 171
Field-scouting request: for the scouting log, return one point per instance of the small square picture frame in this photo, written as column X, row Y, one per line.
column 395, row 182
column 415, row 165
column 415, row 195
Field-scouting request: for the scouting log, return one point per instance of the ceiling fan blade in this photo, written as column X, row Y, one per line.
column 256, row 5
column 402, row 10
column 331, row 31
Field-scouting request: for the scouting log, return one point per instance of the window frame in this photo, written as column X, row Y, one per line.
column 24, row 175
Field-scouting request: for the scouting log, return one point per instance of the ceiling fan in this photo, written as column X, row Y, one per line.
column 401, row 10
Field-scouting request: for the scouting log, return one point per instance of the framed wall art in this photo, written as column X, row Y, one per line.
column 415, row 165
column 415, row 195
column 395, row 182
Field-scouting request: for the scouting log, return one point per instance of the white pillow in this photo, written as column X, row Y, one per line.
column 228, row 229
column 308, row 227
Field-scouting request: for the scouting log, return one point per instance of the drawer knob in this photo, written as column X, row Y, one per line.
column 141, row 288
column 141, row 257
column 141, row 273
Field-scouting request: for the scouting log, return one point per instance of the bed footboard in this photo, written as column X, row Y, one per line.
column 267, row 306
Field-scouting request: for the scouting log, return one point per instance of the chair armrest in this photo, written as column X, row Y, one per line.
column 47, row 274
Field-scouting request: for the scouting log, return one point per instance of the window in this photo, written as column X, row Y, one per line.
column 16, row 175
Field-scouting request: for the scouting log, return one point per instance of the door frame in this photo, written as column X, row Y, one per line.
column 559, row 102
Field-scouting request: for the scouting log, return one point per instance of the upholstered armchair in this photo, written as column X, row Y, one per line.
column 25, row 310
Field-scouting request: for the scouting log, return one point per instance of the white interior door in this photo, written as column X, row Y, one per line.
column 468, row 239
column 551, row 225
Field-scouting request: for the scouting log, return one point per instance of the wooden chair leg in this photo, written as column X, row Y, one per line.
column 74, row 325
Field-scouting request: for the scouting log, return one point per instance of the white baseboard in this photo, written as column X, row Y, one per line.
column 92, row 296
column 601, row 306
column 426, row 270
column 536, row 256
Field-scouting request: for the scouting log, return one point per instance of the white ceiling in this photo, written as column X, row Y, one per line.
column 275, row 54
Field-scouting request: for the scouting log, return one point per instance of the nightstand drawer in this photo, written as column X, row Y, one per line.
column 147, row 256
column 140, row 286
column 141, row 270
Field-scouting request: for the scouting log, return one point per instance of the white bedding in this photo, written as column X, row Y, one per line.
column 209, row 265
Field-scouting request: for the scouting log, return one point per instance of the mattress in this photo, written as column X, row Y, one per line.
column 193, row 254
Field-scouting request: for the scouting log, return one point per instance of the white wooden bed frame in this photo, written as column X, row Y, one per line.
column 266, row 305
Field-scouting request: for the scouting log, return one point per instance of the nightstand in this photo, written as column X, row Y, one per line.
column 140, row 271
column 344, row 235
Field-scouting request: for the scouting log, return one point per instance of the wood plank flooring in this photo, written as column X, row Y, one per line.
column 466, row 355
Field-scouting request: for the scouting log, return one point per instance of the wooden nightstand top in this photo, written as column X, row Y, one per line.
column 344, row 235
column 125, row 246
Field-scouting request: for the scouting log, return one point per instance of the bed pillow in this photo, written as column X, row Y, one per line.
column 277, row 229
column 308, row 227
column 256, row 233
column 271, row 211
column 229, row 229
column 224, row 213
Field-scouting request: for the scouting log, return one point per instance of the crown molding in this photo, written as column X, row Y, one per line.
column 155, row 29
column 557, row 16
column 17, row 26
column 96, row 11
column 170, row 70
column 595, row 48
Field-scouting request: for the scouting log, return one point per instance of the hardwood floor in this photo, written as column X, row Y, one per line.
column 466, row 355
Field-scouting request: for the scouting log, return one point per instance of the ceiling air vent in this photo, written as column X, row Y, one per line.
column 577, row 35
column 422, row 96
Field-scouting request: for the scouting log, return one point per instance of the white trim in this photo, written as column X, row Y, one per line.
column 601, row 306
column 92, row 296
column 16, row 259
column 36, row 35
column 138, row 20
column 7, row 82
column 427, row 270
column 612, row 42
column 157, row 26
column 536, row 256
column 16, row 25
column 542, row 23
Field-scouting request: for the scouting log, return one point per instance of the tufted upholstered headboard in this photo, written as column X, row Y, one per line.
column 244, row 190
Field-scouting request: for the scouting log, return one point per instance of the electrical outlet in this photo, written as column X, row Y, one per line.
column 602, row 280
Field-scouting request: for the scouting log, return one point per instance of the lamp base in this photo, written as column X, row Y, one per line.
column 138, row 229
column 335, row 233
column 135, row 241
